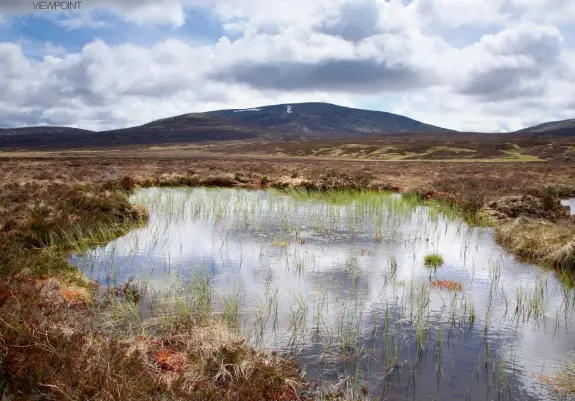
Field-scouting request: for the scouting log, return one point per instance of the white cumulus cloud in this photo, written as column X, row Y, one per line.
column 512, row 66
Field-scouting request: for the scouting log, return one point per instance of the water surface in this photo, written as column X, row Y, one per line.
column 570, row 203
column 340, row 283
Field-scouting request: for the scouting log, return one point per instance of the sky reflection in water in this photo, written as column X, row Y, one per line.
column 340, row 303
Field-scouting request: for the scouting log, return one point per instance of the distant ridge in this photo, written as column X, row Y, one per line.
column 562, row 127
column 293, row 121
column 275, row 122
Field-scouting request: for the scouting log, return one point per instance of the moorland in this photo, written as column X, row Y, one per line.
column 57, row 200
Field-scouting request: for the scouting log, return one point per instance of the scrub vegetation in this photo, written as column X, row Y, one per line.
column 469, row 148
column 54, row 344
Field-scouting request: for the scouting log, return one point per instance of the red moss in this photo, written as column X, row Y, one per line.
column 73, row 297
column 169, row 360
column 448, row 285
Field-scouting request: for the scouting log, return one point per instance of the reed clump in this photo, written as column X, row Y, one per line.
column 433, row 260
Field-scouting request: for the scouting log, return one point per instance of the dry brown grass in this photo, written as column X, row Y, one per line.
column 539, row 207
column 50, row 350
column 540, row 241
column 49, row 345
column 468, row 148
column 562, row 382
column 172, row 167
column 565, row 380
column 32, row 212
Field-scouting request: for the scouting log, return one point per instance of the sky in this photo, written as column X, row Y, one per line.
column 470, row 65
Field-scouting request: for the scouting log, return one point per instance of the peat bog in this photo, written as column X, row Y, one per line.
column 341, row 282
column 315, row 281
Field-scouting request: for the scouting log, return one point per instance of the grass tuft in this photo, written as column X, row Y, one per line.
column 433, row 260
column 540, row 241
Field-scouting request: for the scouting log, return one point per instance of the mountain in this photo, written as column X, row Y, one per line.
column 282, row 121
column 193, row 127
column 36, row 137
column 563, row 127
column 325, row 120
column 181, row 129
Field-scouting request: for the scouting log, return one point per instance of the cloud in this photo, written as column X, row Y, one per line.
column 556, row 12
column 116, row 86
column 331, row 75
column 80, row 21
column 170, row 12
column 300, row 59
column 353, row 21
column 455, row 13
column 512, row 63
column 514, row 66
column 541, row 43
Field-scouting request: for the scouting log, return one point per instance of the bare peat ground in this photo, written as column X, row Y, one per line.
column 48, row 347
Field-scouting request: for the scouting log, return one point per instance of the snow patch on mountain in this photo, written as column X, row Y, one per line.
column 239, row 111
